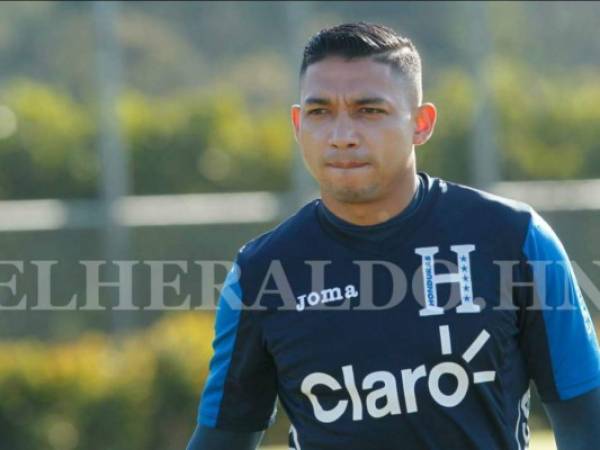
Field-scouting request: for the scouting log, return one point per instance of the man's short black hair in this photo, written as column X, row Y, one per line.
column 361, row 40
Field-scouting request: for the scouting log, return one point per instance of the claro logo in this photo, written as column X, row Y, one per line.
column 383, row 397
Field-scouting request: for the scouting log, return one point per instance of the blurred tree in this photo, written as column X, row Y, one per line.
column 206, row 142
column 51, row 153
column 447, row 154
column 546, row 124
column 188, row 142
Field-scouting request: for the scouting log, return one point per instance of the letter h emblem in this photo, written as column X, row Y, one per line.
column 431, row 280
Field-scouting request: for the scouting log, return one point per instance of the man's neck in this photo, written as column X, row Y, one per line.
column 376, row 211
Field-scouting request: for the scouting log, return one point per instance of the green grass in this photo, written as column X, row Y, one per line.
column 542, row 440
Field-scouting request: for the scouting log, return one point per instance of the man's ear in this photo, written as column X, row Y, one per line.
column 295, row 113
column 425, row 118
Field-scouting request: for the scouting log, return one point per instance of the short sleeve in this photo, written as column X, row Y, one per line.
column 241, row 389
column 558, row 336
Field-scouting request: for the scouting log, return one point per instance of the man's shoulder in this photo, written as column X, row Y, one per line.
column 283, row 240
column 480, row 207
column 467, row 196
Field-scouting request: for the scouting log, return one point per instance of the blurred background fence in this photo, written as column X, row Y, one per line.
column 159, row 131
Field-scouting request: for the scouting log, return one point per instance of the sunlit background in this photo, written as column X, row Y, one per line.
column 159, row 132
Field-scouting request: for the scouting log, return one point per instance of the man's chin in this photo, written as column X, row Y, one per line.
column 352, row 194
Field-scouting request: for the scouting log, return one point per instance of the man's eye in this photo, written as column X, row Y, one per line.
column 317, row 112
column 372, row 111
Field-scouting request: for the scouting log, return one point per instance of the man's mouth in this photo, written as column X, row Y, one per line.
column 347, row 164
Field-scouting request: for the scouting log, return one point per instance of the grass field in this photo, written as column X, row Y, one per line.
column 543, row 440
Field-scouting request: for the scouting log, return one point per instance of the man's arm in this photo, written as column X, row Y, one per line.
column 205, row 438
column 559, row 341
column 239, row 396
column 575, row 421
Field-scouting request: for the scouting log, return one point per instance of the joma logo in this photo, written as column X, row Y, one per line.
column 325, row 296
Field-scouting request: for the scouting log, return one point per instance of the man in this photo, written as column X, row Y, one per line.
column 398, row 311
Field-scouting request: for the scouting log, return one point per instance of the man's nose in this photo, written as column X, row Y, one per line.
column 343, row 135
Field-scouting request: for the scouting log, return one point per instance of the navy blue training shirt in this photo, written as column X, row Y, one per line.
column 422, row 332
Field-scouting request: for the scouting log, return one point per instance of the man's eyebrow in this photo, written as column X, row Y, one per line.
column 317, row 101
column 359, row 101
column 369, row 101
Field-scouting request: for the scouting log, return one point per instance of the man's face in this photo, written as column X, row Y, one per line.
column 356, row 127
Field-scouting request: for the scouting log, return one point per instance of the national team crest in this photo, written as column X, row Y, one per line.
column 462, row 277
